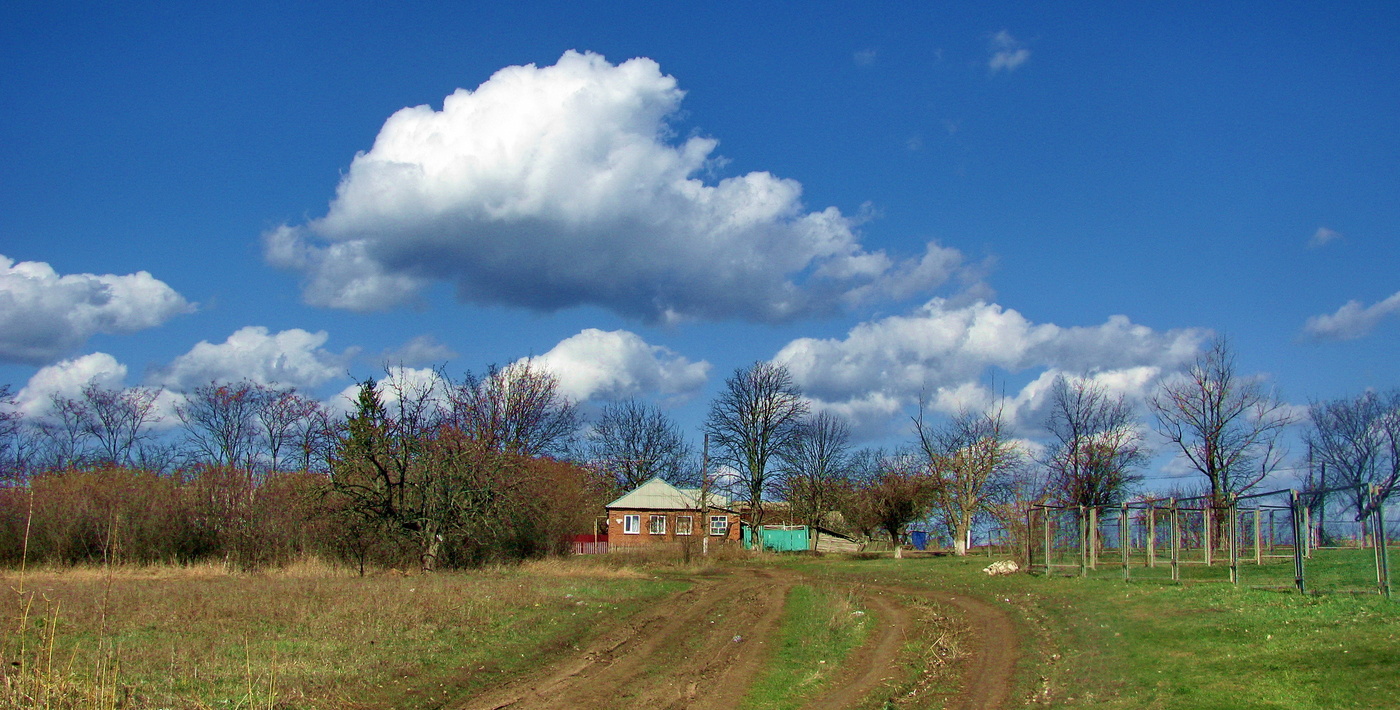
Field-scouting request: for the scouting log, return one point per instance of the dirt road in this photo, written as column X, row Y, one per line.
column 700, row 649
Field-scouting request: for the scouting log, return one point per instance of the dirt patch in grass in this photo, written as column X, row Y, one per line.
column 702, row 649
column 698, row 649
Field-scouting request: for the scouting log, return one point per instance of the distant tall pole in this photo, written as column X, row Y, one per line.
column 705, row 495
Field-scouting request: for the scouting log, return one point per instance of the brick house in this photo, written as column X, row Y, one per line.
column 657, row 513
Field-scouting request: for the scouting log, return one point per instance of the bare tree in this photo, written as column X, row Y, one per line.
column 1227, row 426
column 1096, row 444
column 1012, row 495
column 63, row 433
column 1355, row 441
column 119, row 420
column 1390, row 433
column 516, row 409
column 11, row 431
column 815, row 465
column 221, row 422
column 963, row 458
column 314, row 437
column 281, row 415
column 750, row 423
column 636, row 442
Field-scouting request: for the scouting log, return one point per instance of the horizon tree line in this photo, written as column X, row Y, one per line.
column 765, row 444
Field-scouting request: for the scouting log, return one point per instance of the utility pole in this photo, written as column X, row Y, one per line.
column 705, row 496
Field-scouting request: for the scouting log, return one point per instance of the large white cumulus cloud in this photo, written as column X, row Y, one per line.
column 549, row 187
column 615, row 365
column 289, row 358
column 941, row 351
column 44, row 315
column 67, row 378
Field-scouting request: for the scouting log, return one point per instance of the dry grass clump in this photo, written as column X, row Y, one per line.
column 688, row 558
column 934, row 655
column 308, row 636
column 641, row 561
column 583, row 566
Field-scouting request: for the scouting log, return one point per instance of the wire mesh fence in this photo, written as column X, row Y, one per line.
column 1329, row 540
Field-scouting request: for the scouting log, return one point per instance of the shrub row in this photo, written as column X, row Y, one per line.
column 228, row 515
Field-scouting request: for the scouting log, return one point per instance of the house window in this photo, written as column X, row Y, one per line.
column 683, row 525
column 719, row 524
column 658, row 525
column 631, row 524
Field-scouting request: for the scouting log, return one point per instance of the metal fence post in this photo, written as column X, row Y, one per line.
column 1298, row 516
column 1083, row 543
column 1045, row 518
column 1151, row 534
column 1382, row 555
column 1030, row 546
column 1307, row 529
column 1259, row 541
column 1093, row 538
column 1176, row 542
column 1123, row 542
column 1232, row 518
column 1208, row 531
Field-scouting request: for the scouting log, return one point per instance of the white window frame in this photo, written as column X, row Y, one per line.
column 632, row 524
column 653, row 528
column 720, row 529
column 684, row 524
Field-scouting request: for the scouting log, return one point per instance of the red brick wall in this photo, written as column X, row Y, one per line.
column 699, row 528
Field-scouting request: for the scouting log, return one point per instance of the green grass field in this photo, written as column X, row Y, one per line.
column 1149, row 644
column 320, row 638
column 821, row 625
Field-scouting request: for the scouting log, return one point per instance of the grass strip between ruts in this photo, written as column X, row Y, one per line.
column 821, row 625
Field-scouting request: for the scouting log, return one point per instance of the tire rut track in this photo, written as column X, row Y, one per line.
column 687, row 657
column 712, row 640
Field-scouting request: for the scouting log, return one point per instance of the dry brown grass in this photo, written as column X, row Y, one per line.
column 307, row 636
column 581, row 567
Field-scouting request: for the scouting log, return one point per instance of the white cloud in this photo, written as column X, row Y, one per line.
column 1352, row 320
column 292, row 358
column 1322, row 237
column 943, row 351
column 44, row 315
column 865, row 57
column 422, row 350
column 396, row 381
column 1007, row 52
column 67, row 379
column 615, row 365
column 551, row 187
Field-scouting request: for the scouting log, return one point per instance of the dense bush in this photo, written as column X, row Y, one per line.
column 227, row 515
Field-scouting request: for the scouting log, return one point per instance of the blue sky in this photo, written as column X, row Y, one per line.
column 946, row 198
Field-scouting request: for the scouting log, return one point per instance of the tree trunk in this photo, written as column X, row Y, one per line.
column 430, row 552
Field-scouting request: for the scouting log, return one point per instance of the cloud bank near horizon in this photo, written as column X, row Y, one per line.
column 942, row 352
